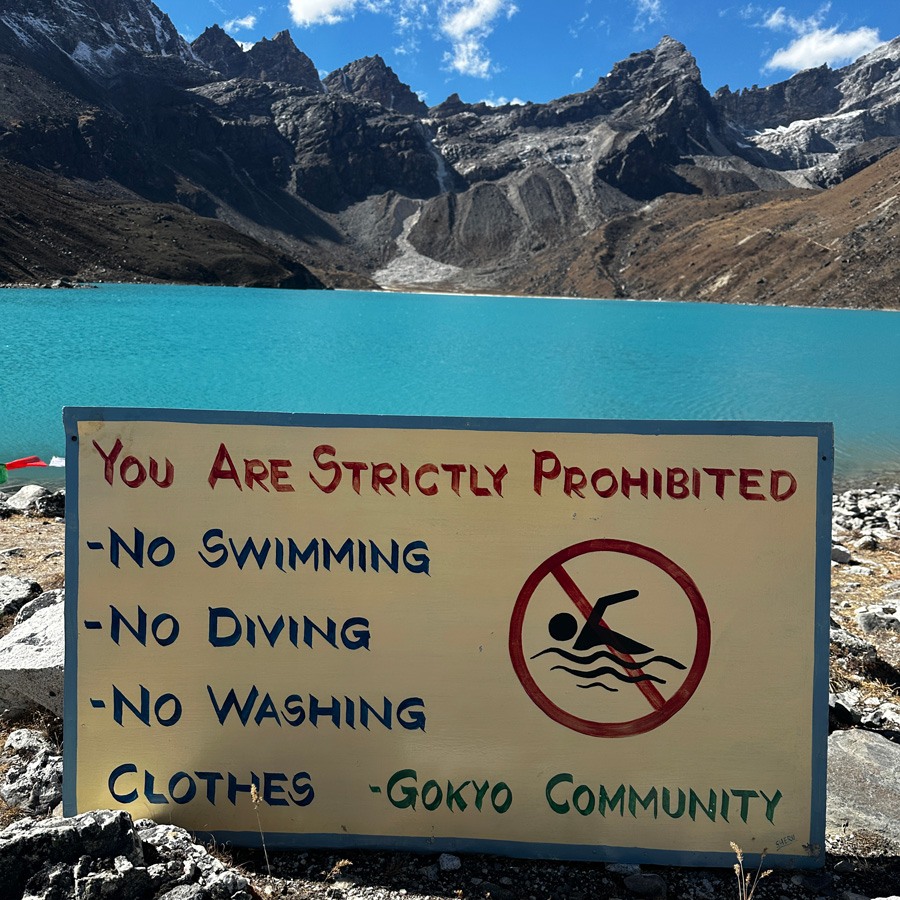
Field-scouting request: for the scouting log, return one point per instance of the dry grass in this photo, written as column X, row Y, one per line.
column 852, row 587
column 747, row 882
column 42, row 542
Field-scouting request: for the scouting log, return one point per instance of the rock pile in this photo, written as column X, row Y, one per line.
column 869, row 514
column 104, row 854
column 33, row 500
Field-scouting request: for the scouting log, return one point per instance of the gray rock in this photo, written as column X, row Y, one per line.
column 623, row 869
column 33, row 777
column 224, row 885
column 881, row 617
column 124, row 882
column 892, row 590
column 840, row 554
column 52, row 504
column 102, row 856
column 646, row 885
column 31, row 662
column 886, row 716
column 28, row 846
column 863, row 785
column 55, row 882
column 185, row 892
column 198, row 865
column 15, row 593
column 26, row 497
column 449, row 863
column 42, row 601
column 843, row 707
column 6, row 511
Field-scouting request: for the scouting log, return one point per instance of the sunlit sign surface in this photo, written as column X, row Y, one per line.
column 572, row 639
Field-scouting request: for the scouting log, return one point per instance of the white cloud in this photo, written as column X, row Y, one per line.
column 502, row 101
column 328, row 12
column 467, row 24
column 578, row 75
column 469, row 57
column 245, row 22
column 460, row 19
column 824, row 45
column 577, row 27
column 245, row 45
column 647, row 12
column 409, row 47
column 814, row 43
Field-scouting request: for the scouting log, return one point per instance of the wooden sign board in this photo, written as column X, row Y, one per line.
column 567, row 639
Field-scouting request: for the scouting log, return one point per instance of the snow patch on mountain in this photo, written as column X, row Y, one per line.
column 72, row 27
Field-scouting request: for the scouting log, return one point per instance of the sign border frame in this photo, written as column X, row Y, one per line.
column 822, row 431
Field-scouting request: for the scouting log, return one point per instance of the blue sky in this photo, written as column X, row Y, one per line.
column 505, row 50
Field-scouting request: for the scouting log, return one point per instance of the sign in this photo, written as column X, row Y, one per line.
column 567, row 639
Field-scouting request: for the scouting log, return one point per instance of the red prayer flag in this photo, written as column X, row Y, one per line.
column 25, row 462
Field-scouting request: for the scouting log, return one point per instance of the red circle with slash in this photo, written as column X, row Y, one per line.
column 663, row 709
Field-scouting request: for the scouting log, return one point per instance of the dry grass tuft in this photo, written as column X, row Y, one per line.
column 747, row 883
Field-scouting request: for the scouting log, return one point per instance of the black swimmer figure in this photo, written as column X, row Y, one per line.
column 596, row 633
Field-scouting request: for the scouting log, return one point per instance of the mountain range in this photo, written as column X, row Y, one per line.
column 127, row 153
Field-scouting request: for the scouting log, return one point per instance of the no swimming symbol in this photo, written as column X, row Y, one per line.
column 623, row 659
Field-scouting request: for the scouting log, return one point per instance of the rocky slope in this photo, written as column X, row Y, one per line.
column 356, row 179
column 821, row 124
column 829, row 248
column 52, row 228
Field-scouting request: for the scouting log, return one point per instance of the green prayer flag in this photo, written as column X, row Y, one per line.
column 2, row 474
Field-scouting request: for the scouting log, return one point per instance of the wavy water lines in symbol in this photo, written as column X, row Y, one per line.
column 581, row 671
column 603, row 654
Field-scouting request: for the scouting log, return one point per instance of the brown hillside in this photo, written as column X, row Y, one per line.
column 839, row 247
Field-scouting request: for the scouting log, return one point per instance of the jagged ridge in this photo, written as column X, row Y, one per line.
column 356, row 175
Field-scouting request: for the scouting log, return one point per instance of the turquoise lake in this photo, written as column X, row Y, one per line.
column 403, row 354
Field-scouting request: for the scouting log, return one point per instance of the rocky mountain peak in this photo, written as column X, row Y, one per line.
column 821, row 123
column 279, row 59
column 873, row 77
column 668, row 63
column 371, row 78
column 219, row 50
column 451, row 106
column 95, row 34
